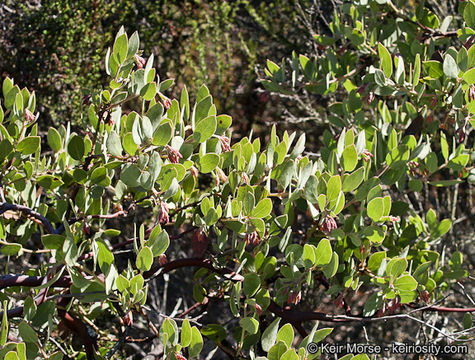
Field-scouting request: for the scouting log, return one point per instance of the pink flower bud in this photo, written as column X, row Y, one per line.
column 199, row 243
column 258, row 310
column 252, row 238
column 393, row 219
column 245, row 178
column 163, row 213
column 173, row 155
column 369, row 97
column 167, row 103
column 425, row 296
column 224, row 141
column 393, row 305
column 367, row 155
column 162, row 259
column 128, row 319
column 194, row 171
column 140, row 61
column 29, row 116
column 328, row 224
column 86, row 229
column 180, row 357
column 294, row 297
column 221, row 175
column 471, row 93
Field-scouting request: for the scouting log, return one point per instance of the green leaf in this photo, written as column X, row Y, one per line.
column 385, row 60
column 149, row 91
column 11, row 249
column 76, row 147
column 469, row 76
column 417, row 70
column 113, row 144
column 376, row 208
column 54, row 139
column 130, row 175
column 162, row 134
column 129, row 145
column 433, row 69
column 158, row 241
column 286, row 334
column 27, row 333
column 396, row 267
column 99, row 177
column 350, row 158
column 450, row 67
column 249, row 324
column 134, row 43
column 353, row 180
column 208, row 163
column 251, row 284
column 405, row 282
column 144, row 259
column 323, row 253
column 262, row 209
column 4, row 328
column 120, row 48
column 270, row 335
column 444, row 146
column 205, row 128
column 185, row 333
column 333, row 188
column 29, row 145
column 196, row 343
column 53, row 241
column 469, row 15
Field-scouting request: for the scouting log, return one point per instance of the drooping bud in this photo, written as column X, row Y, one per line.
column 139, row 61
column 367, row 155
column 221, row 175
column 128, row 319
column 460, row 134
column 252, row 238
column 29, row 116
column 224, row 141
column 166, row 102
column 294, row 297
column 173, row 155
column 199, row 243
column 328, row 224
column 194, row 171
column 393, row 305
column 425, row 296
column 393, row 219
column 338, row 302
column 245, row 178
column 86, row 229
column 369, row 97
column 471, row 93
column 163, row 213
column 258, row 310
column 180, row 357
column 162, row 259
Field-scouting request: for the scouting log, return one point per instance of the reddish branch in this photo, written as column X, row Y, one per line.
column 78, row 327
column 29, row 212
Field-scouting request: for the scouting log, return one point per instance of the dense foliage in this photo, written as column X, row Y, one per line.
column 96, row 214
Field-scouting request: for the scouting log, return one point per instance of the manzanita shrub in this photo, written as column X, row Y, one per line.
column 261, row 223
